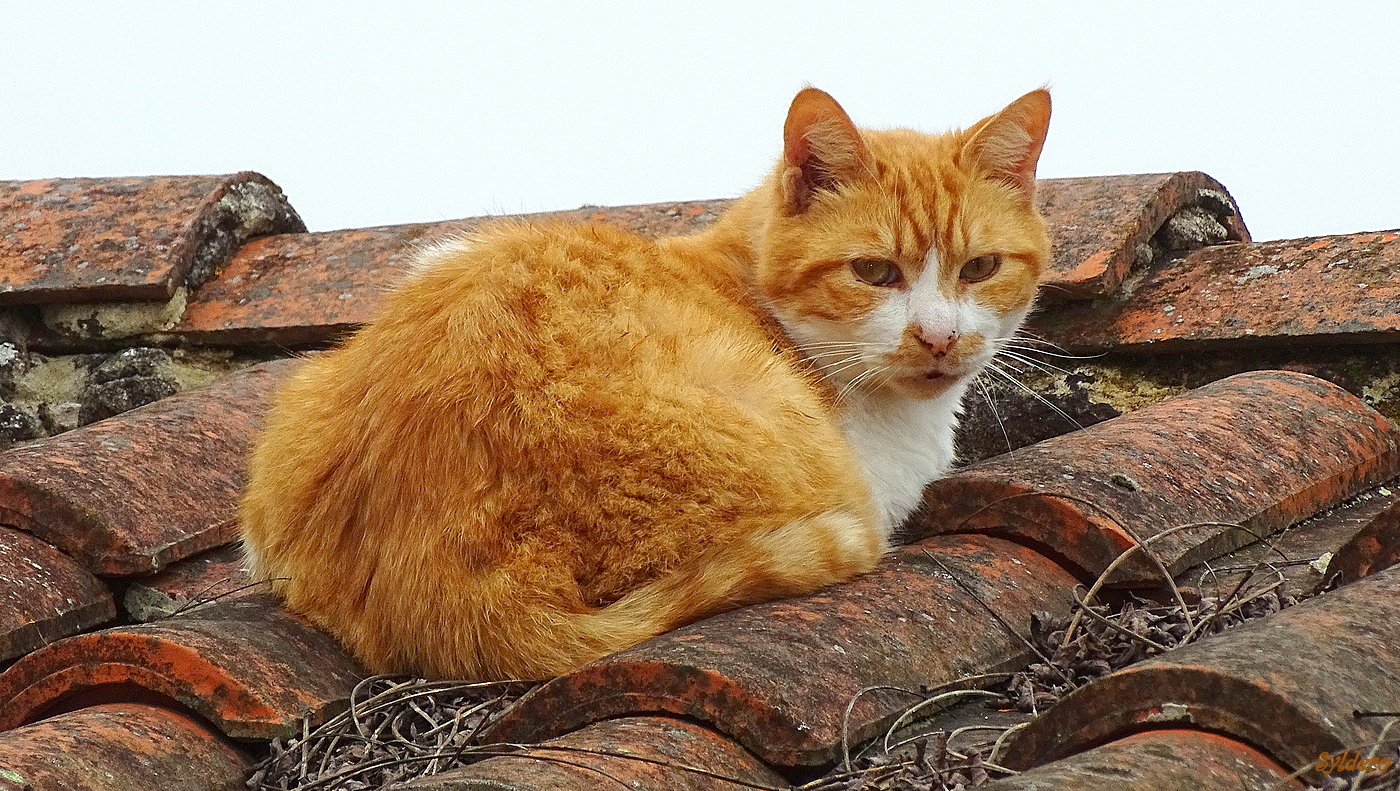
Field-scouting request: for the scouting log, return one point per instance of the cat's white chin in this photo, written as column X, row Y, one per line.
column 926, row 384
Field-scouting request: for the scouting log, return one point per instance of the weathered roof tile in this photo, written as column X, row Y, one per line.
column 245, row 664
column 1157, row 760
column 1103, row 226
column 307, row 288
column 1319, row 290
column 119, row 747
column 44, row 595
column 1373, row 548
column 132, row 493
column 790, row 679
column 652, row 753
column 1260, row 450
column 310, row 288
column 133, row 238
column 1251, row 683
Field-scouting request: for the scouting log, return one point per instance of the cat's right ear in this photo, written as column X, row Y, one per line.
column 821, row 149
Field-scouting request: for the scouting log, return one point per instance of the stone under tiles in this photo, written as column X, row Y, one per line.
column 44, row 595
column 1157, row 760
column 792, row 680
column 138, row 491
column 651, row 753
column 245, row 665
column 1318, row 290
column 128, row 238
column 1258, row 451
column 1289, row 684
column 119, row 747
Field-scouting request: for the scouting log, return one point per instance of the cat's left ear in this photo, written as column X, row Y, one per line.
column 1008, row 144
column 822, row 149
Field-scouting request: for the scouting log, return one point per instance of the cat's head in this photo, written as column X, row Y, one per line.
column 898, row 260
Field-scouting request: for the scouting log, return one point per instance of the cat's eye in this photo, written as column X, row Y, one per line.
column 980, row 268
column 876, row 271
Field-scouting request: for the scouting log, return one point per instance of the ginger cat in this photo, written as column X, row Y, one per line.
column 556, row 441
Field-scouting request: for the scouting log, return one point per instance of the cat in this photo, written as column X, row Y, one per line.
column 556, row 441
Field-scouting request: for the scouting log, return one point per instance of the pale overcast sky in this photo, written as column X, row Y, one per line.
column 379, row 113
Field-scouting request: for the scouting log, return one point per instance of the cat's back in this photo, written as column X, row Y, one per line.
column 573, row 400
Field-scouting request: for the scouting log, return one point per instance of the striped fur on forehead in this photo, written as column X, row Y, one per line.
column 920, row 201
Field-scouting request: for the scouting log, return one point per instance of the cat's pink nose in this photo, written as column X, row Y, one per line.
column 938, row 342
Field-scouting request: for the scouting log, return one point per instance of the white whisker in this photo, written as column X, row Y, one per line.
column 995, row 368
column 991, row 404
column 1049, row 368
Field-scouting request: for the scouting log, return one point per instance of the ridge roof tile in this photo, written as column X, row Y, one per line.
column 1320, row 290
column 311, row 288
column 634, row 752
column 1102, row 226
column 128, row 238
column 1157, row 760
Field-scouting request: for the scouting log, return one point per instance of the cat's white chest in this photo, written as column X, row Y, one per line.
column 901, row 444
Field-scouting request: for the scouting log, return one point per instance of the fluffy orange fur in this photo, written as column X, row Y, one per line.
column 556, row 441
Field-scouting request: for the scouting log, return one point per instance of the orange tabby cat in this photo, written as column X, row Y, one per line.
column 556, row 441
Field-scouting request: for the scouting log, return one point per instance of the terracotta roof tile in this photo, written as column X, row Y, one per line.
column 781, row 677
column 44, row 595
column 132, row 493
column 1263, row 450
column 135, row 238
column 1331, row 289
column 119, row 747
column 641, row 752
column 215, row 574
column 307, row 288
column 1103, row 226
column 1158, row 760
column 1250, row 683
column 310, row 288
column 246, row 665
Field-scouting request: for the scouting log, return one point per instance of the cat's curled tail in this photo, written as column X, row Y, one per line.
column 521, row 639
